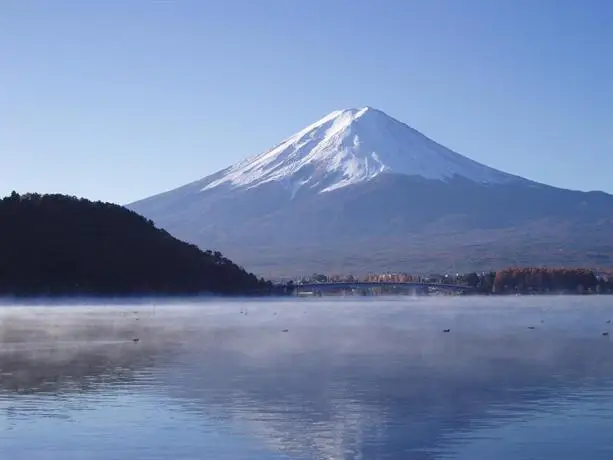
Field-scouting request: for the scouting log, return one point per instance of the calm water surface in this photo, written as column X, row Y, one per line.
column 515, row 378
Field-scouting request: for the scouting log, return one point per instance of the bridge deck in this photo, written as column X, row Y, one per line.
column 361, row 285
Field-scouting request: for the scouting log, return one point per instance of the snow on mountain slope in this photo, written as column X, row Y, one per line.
column 351, row 146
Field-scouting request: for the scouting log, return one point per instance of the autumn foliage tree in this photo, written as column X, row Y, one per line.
column 545, row 280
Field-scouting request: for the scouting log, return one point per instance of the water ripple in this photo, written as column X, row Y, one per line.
column 514, row 378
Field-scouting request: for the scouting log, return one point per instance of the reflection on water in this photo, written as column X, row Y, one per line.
column 350, row 379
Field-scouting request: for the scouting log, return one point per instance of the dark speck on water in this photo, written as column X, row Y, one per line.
column 361, row 378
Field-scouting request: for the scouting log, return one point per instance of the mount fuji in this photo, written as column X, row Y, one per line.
column 359, row 191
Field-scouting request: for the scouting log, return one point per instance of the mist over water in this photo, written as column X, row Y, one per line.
column 351, row 378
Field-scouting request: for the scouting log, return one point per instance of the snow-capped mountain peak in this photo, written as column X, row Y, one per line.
column 351, row 146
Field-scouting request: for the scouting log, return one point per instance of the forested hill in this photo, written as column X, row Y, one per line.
column 62, row 245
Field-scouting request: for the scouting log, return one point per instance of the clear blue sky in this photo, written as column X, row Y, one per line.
column 117, row 100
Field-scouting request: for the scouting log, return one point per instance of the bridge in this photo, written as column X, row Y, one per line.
column 367, row 285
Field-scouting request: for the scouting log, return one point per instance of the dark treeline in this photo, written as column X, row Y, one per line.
column 61, row 245
column 540, row 280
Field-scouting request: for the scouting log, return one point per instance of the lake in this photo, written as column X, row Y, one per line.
column 328, row 378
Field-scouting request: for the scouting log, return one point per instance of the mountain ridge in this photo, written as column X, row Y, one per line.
column 58, row 245
column 300, row 207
